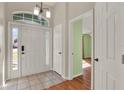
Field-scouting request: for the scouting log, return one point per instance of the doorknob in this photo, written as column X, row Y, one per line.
column 96, row 59
column 23, row 48
column 60, row 53
column 23, row 53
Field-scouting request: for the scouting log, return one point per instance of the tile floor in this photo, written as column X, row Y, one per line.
column 38, row 81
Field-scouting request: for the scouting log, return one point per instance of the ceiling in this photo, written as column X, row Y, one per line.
column 49, row 3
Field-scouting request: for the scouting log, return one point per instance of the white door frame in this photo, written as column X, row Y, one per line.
column 70, row 46
column 10, row 36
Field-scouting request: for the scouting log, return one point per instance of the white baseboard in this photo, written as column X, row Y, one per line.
column 77, row 75
column 66, row 78
column 71, row 78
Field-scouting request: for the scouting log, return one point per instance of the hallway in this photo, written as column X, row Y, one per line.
column 82, row 82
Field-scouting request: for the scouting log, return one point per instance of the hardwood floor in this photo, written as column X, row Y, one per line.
column 82, row 82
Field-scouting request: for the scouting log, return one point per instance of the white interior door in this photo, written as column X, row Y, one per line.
column 98, row 45
column 109, row 27
column 57, row 63
column 33, row 54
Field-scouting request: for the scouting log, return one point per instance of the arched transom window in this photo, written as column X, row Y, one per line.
column 29, row 18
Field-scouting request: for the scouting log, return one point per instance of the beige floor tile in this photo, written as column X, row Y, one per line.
column 57, row 81
column 34, row 82
column 23, row 85
column 32, row 77
column 52, row 77
column 22, row 80
column 50, row 83
column 28, row 88
column 45, row 85
column 45, row 79
column 12, row 87
column 37, row 81
column 37, row 87
column 41, row 76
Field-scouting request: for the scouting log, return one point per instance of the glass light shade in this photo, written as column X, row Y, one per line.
column 36, row 10
column 48, row 14
column 40, row 16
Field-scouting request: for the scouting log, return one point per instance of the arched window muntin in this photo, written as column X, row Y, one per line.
column 29, row 17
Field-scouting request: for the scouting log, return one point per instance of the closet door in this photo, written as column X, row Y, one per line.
column 57, row 60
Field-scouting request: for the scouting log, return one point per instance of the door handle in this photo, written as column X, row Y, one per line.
column 23, row 48
column 96, row 59
column 60, row 53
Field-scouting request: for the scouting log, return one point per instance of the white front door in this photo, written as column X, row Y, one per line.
column 57, row 63
column 28, row 51
column 33, row 51
column 109, row 53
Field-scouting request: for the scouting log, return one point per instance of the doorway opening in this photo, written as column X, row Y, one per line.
column 86, row 51
column 81, row 49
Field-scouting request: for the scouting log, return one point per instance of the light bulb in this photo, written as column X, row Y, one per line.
column 48, row 14
column 36, row 10
column 40, row 16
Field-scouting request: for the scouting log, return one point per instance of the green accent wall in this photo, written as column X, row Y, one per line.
column 86, row 46
column 77, row 47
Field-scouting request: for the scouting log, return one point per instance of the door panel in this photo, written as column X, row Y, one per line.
column 100, row 40
column 77, row 47
column 120, row 46
column 33, row 59
column 109, row 46
column 57, row 63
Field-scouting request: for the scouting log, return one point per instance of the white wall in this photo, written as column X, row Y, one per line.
column 2, row 31
column 59, row 13
column 77, row 8
column 88, row 22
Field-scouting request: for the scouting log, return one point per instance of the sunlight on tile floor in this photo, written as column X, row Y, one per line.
column 38, row 81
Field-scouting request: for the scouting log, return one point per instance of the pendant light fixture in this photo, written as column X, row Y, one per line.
column 38, row 10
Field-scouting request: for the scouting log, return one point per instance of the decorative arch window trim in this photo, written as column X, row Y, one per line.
column 23, row 17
